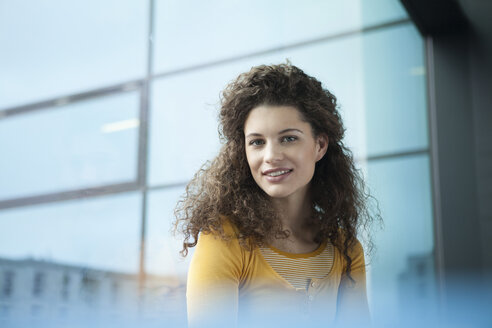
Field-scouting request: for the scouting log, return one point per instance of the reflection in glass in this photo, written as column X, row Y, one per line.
column 395, row 96
column 338, row 65
column 162, row 247
column 381, row 11
column 165, row 267
column 52, row 48
column 380, row 114
column 380, row 87
column 183, row 131
column 38, row 284
column 229, row 29
column 85, row 144
column 402, row 272
column 100, row 233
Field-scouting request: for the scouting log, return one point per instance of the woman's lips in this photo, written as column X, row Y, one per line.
column 277, row 175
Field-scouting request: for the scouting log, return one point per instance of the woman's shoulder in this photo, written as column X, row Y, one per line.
column 230, row 229
column 355, row 252
column 223, row 228
column 219, row 249
column 354, row 243
column 223, row 234
column 355, row 249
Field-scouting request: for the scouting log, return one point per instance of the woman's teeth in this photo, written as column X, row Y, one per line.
column 277, row 173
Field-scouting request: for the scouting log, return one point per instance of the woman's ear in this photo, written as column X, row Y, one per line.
column 321, row 146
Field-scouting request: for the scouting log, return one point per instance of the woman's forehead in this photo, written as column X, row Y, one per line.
column 268, row 118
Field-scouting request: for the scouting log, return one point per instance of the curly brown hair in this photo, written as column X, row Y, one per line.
column 225, row 187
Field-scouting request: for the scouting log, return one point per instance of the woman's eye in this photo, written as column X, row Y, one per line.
column 289, row 139
column 256, row 142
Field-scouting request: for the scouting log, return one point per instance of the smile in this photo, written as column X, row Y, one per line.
column 277, row 173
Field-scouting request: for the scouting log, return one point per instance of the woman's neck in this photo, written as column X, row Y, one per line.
column 295, row 216
column 295, row 212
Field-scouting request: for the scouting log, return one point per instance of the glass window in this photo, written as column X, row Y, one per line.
column 183, row 130
column 84, row 144
column 90, row 288
column 380, row 91
column 379, row 81
column 162, row 247
column 235, row 28
column 52, row 48
column 394, row 90
column 7, row 286
column 381, row 11
column 100, row 233
column 65, row 286
column 38, row 285
column 338, row 65
column 404, row 248
column 166, row 268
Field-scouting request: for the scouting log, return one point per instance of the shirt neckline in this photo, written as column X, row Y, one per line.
column 316, row 252
column 286, row 282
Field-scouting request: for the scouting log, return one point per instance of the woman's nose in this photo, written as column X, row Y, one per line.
column 273, row 153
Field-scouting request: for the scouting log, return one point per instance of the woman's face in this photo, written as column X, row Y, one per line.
column 281, row 150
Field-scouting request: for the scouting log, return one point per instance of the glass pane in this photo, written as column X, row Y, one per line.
column 381, row 11
column 338, row 65
column 183, row 128
column 162, row 258
column 162, row 247
column 89, row 143
column 71, row 264
column 383, row 107
column 402, row 271
column 100, row 233
column 380, row 88
column 52, row 48
column 237, row 28
column 395, row 90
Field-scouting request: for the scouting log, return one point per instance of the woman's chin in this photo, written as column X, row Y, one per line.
column 278, row 193
column 278, row 196
column 285, row 191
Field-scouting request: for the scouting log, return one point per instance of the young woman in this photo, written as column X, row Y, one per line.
column 274, row 217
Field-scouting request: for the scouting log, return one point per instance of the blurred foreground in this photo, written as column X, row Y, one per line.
column 69, row 296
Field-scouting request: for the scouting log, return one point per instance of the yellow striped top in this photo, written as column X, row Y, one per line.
column 300, row 269
column 230, row 284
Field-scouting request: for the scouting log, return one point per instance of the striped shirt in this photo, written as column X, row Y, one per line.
column 299, row 269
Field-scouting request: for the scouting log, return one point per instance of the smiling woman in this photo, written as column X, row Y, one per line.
column 275, row 216
column 282, row 151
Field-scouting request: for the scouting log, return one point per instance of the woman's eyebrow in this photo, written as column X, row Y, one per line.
column 254, row 134
column 290, row 130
